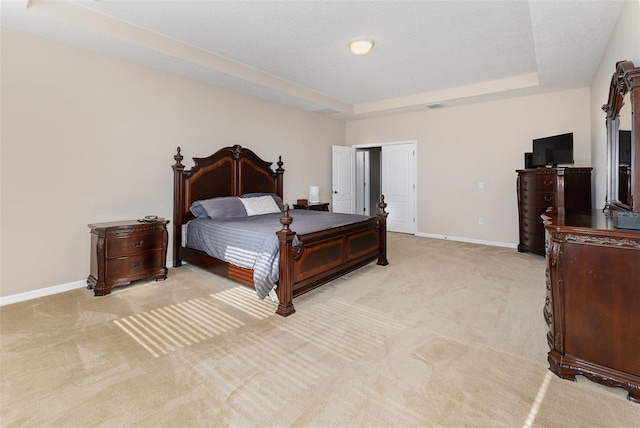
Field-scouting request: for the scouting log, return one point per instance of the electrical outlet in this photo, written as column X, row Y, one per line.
column 480, row 185
column 480, row 220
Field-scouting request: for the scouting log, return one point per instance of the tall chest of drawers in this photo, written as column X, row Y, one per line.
column 126, row 251
column 568, row 190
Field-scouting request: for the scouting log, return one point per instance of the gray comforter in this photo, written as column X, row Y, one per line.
column 251, row 242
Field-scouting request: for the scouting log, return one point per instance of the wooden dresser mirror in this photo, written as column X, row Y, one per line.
column 623, row 142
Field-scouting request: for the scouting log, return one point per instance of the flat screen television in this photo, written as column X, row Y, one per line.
column 554, row 150
column 624, row 147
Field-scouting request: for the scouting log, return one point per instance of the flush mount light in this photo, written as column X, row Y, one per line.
column 361, row 46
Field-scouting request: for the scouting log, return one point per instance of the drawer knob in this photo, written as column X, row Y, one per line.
column 136, row 265
column 548, row 183
column 548, row 198
column 138, row 245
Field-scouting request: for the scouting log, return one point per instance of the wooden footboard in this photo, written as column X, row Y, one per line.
column 322, row 256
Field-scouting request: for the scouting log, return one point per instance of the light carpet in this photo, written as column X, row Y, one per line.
column 449, row 334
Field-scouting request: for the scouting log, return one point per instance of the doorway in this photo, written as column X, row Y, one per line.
column 368, row 180
column 387, row 169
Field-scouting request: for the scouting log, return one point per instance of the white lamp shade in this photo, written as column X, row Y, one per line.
column 314, row 194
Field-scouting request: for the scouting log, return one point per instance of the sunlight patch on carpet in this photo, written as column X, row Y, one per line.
column 249, row 387
column 535, row 407
column 392, row 412
column 342, row 328
column 244, row 299
column 164, row 330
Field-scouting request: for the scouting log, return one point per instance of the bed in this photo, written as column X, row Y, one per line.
column 304, row 261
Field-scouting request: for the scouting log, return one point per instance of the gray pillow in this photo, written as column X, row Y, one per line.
column 219, row 208
column 275, row 197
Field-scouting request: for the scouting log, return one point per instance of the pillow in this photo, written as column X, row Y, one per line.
column 275, row 197
column 260, row 205
column 218, row 208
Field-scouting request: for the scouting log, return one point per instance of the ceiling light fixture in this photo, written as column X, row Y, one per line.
column 361, row 46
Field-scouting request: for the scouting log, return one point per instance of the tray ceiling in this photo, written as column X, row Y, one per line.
column 295, row 52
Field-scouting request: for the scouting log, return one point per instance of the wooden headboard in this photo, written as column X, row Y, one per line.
column 231, row 171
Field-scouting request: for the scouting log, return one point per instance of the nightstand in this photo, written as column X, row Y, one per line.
column 317, row 206
column 126, row 251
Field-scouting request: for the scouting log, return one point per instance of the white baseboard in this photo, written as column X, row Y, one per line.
column 21, row 297
column 48, row 291
column 469, row 240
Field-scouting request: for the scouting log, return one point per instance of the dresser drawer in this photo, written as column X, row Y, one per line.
column 133, row 244
column 539, row 199
column 532, row 226
column 532, row 212
column 533, row 243
column 132, row 267
column 538, row 183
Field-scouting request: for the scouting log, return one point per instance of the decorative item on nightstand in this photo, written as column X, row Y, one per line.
column 303, row 204
column 126, row 251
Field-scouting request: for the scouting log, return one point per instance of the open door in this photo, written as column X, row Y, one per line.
column 398, row 186
column 344, row 180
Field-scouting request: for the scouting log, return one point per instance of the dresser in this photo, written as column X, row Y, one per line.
column 565, row 189
column 593, row 300
column 126, row 251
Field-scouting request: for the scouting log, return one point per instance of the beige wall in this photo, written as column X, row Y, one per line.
column 458, row 147
column 88, row 138
column 624, row 44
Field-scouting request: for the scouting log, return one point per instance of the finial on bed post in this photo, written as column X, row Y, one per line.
column 286, row 219
column 382, row 230
column 382, row 205
column 236, row 151
column 178, row 158
column 285, row 266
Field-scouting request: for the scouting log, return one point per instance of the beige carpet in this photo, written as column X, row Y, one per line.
column 449, row 334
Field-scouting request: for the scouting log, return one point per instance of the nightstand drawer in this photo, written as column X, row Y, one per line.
column 130, row 268
column 133, row 244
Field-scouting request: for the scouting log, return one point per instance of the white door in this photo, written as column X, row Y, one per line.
column 362, row 182
column 344, row 180
column 398, row 186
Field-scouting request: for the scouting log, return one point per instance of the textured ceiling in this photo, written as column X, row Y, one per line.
column 295, row 52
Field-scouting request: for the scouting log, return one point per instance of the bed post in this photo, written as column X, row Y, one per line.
column 178, row 198
column 279, row 172
column 285, row 266
column 382, row 230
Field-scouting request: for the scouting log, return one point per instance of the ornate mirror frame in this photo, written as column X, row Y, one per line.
column 625, row 82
